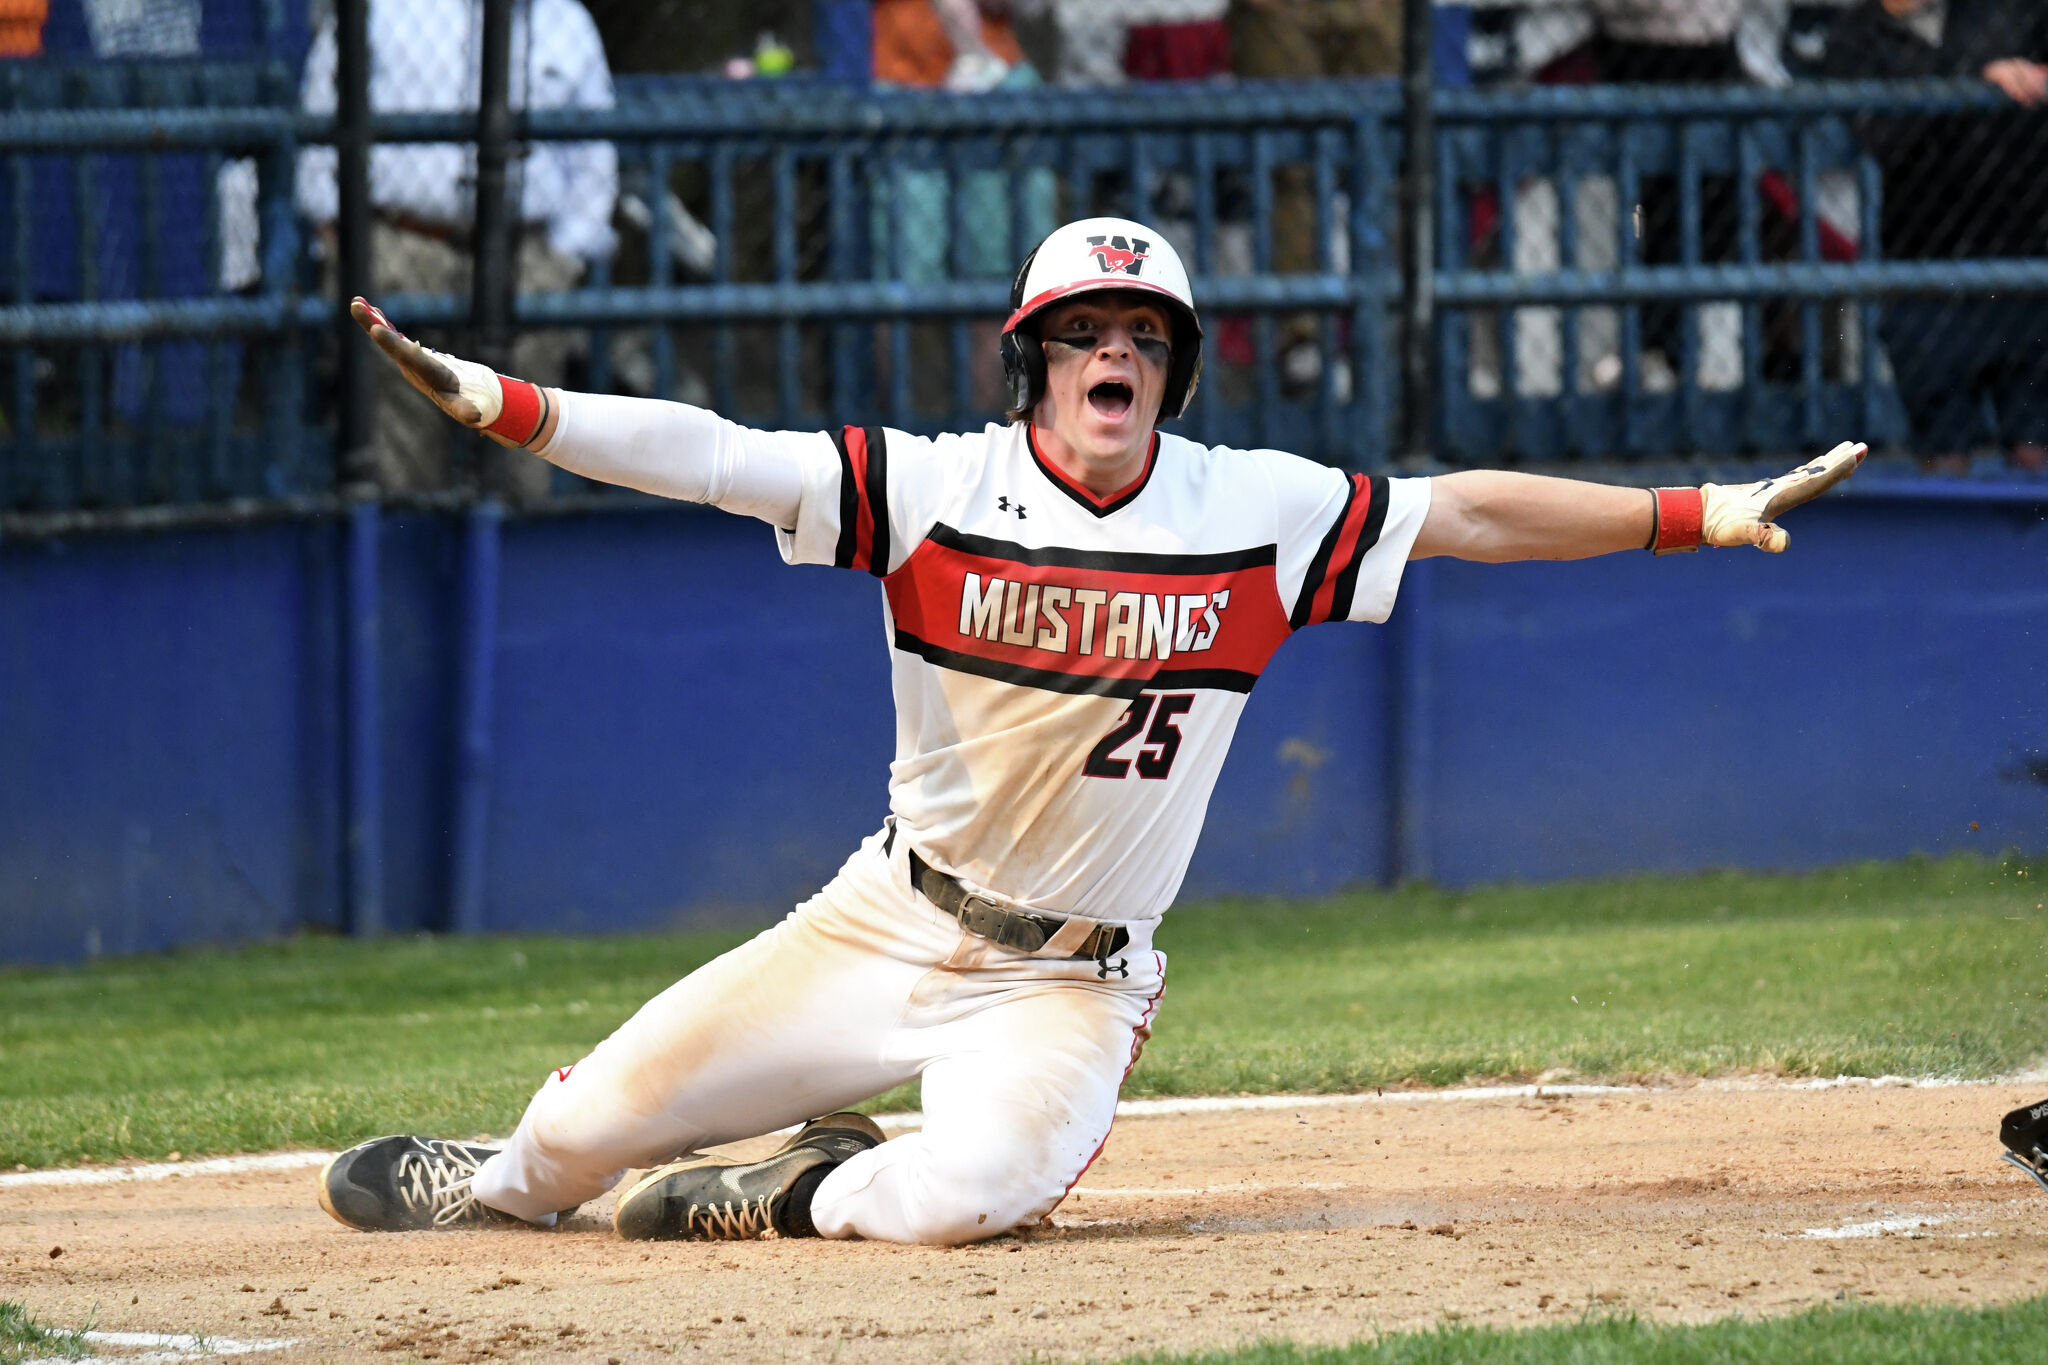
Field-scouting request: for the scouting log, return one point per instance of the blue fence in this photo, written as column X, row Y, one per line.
column 808, row 254
column 633, row 733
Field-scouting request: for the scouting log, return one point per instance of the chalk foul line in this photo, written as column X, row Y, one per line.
column 1193, row 1104
column 167, row 1346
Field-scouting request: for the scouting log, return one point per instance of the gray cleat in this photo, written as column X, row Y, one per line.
column 708, row 1199
column 406, row 1184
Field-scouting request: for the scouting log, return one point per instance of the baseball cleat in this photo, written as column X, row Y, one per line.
column 406, row 1184
column 706, row 1199
column 2025, row 1135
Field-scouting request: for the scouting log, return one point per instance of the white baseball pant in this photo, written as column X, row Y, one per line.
column 865, row 986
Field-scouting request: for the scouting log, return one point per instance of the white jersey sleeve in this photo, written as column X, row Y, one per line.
column 1343, row 539
column 674, row 450
column 876, row 501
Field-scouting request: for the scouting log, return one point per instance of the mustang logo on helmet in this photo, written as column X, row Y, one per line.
column 1119, row 254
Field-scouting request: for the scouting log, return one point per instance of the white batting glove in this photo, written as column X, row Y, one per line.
column 509, row 411
column 1745, row 513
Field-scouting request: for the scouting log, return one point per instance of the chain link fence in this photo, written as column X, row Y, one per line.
column 1713, row 230
column 1953, row 372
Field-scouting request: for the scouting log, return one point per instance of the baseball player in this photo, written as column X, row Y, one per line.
column 1078, row 605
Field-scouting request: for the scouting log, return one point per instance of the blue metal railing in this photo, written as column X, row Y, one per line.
column 129, row 382
column 815, row 254
column 1552, row 149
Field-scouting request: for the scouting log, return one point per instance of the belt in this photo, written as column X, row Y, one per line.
column 1018, row 929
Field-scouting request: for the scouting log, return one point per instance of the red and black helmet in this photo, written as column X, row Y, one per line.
column 1092, row 254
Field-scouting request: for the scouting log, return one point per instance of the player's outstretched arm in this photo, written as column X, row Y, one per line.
column 669, row 449
column 1496, row 516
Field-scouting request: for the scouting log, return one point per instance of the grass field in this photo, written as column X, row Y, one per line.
column 1918, row 968
column 1832, row 1336
column 24, row 1338
column 1856, row 1335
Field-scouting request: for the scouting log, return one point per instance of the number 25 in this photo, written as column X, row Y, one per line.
column 1162, row 741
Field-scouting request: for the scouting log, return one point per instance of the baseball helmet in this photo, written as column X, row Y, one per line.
column 1100, row 253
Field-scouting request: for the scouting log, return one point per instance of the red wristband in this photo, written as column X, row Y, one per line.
column 1680, row 515
column 524, row 411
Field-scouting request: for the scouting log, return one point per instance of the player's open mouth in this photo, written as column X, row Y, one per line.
column 1111, row 398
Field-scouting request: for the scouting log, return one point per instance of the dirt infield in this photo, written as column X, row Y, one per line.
column 1319, row 1224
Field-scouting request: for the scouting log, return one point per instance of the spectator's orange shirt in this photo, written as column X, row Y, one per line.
column 21, row 27
column 911, row 46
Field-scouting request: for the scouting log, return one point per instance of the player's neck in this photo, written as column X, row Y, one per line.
column 1101, row 473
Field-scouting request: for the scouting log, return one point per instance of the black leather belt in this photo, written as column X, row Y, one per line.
column 1018, row 929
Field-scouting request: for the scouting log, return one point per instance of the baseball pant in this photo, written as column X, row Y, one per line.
column 864, row 987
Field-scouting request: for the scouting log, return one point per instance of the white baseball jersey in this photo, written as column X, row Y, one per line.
column 1068, row 670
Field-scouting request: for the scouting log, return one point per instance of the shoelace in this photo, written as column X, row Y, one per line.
column 731, row 1222
column 438, row 1180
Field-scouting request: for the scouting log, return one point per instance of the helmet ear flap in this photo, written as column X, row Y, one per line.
column 1023, row 357
column 1023, row 370
column 1184, row 371
column 1182, row 380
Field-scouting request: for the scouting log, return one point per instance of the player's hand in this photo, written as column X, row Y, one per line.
column 470, row 393
column 2023, row 81
column 1746, row 513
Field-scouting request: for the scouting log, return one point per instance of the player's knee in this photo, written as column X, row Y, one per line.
column 974, row 1191
column 569, row 1127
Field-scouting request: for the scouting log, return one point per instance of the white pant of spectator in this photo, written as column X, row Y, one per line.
column 864, row 987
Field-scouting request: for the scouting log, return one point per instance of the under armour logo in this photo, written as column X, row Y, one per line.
column 1003, row 504
column 1103, row 967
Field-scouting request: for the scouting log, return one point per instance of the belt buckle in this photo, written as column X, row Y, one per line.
column 1002, row 925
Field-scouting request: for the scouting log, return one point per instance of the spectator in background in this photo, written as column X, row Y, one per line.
column 1654, row 42
column 1664, row 41
column 1298, row 39
column 1106, row 42
column 1971, row 372
column 959, row 44
column 967, row 47
column 143, row 28
column 425, row 57
column 21, row 27
column 176, row 371
column 1295, row 40
column 1178, row 40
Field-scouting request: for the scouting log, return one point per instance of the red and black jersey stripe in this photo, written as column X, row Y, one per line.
column 1332, row 579
column 1075, row 683
column 926, row 603
column 1101, row 561
column 863, row 500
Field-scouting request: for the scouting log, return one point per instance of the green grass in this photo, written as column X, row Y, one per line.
column 23, row 1338
column 1857, row 1335
column 1918, row 967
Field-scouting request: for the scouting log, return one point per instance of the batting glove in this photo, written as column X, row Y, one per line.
column 509, row 411
column 1745, row 513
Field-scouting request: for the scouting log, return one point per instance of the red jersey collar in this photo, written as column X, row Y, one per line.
column 1103, row 505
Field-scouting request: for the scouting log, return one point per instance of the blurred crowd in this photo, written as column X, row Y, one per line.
column 1955, row 186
